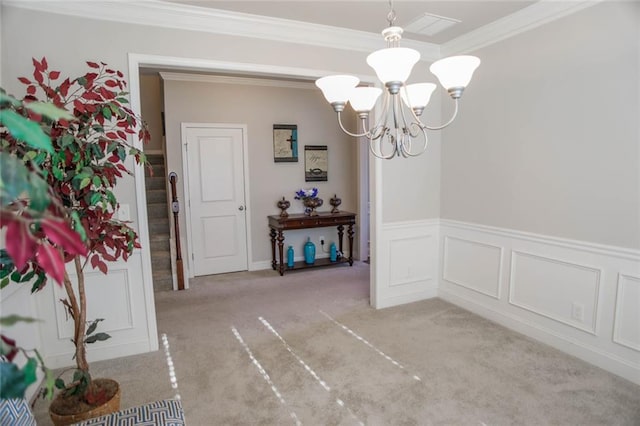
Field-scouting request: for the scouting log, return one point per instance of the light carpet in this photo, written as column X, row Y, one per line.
column 256, row 348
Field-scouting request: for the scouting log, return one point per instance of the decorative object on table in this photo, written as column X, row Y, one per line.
column 290, row 257
column 283, row 205
column 285, row 143
column 398, row 133
column 316, row 163
column 333, row 252
column 335, row 202
column 309, row 252
column 310, row 200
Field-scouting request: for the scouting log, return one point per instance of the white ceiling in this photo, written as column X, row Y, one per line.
column 371, row 16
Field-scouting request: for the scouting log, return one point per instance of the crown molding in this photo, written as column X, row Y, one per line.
column 245, row 81
column 539, row 13
column 164, row 14
column 194, row 18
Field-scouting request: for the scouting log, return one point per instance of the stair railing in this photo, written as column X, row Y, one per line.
column 175, row 208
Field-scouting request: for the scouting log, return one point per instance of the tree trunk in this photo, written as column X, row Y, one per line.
column 77, row 307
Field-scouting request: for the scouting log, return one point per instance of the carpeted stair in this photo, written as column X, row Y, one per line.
column 157, row 211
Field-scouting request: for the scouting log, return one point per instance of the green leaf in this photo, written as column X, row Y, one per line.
column 66, row 140
column 106, row 113
column 5, row 282
column 85, row 182
column 39, row 193
column 49, row 110
column 16, row 276
column 57, row 173
column 77, row 225
column 59, row 383
column 38, row 283
column 10, row 320
column 95, row 198
column 13, row 178
column 93, row 326
column 13, row 383
column 30, row 370
column 25, row 130
column 97, row 337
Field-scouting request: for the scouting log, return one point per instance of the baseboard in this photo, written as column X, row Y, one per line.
column 429, row 292
column 590, row 354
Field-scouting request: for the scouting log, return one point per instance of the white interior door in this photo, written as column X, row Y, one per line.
column 216, row 198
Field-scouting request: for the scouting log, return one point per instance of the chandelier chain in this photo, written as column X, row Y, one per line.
column 391, row 16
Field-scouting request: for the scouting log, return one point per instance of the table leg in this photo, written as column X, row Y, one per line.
column 340, row 235
column 350, row 233
column 272, row 233
column 281, row 250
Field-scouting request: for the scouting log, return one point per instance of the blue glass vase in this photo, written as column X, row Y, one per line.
column 309, row 252
column 333, row 252
column 290, row 257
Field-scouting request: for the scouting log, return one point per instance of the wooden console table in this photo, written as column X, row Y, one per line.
column 301, row 221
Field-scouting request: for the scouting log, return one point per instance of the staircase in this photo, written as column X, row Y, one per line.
column 159, row 234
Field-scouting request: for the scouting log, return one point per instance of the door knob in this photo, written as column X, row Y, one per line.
column 241, row 208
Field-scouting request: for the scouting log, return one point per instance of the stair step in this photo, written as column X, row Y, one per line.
column 159, row 244
column 155, row 158
column 157, row 169
column 164, row 283
column 159, row 225
column 157, row 210
column 156, row 196
column 156, row 183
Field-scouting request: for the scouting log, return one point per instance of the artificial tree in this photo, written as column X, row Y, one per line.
column 57, row 200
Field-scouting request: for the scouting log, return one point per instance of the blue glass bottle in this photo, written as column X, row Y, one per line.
column 333, row 252
column 309, row 252
column 290, row 257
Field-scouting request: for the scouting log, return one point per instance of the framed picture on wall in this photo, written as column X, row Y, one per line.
column 285, row 143
column 316, row 163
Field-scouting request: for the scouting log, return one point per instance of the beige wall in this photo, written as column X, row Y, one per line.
column 261, row 107
column 548, row 141
column 151, row 107
column 68, row 42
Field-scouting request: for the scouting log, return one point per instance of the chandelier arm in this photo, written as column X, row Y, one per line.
column 453, row 117
column 426, row 143
column 416, row 123
column 355, row 135
column 381, row 156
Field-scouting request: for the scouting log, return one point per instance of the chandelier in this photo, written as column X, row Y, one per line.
column 406, row 136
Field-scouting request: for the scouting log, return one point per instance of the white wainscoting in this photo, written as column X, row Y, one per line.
column 411, row 273
column 581, row 298
column 118, row 298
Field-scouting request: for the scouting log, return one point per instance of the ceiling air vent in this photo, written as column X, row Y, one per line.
column 429, row 24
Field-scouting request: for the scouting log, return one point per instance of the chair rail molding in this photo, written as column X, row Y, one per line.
column 580, row 297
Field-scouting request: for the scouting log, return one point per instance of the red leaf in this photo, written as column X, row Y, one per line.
column 24, row 80
column 44, row 64
column 31, row 90
column 53, row 75
column 64, row 237
column 37, row 65
column 94, row 261
column 51, row 261
column 93, row 64
column 38, row 76
column 110, row 83
column 20, row 245
column 79, row 106
column 120, row 74
column 107, row 94
column 64, row 87
column 111, row 135
column 103, row 267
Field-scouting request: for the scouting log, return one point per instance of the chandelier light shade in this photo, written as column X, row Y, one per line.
column 393, row 64
column 337, row 88
column 455, row 71
column 394, row 132
column 363, row 99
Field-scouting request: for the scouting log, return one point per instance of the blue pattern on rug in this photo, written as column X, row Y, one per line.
column 167, row 412
column 16, row 412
